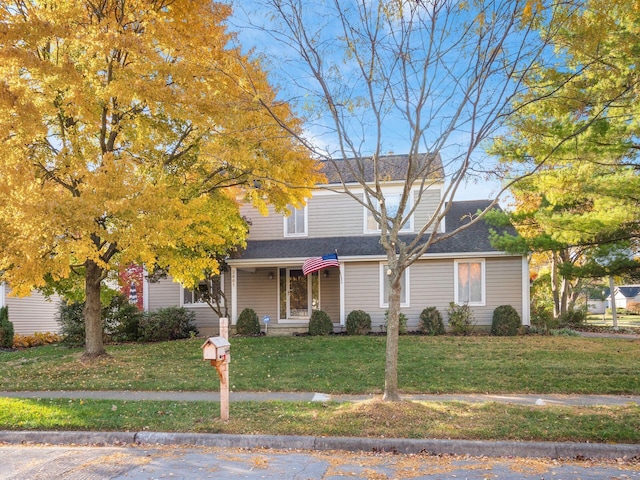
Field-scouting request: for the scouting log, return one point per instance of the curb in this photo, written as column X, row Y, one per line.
column 353, row 444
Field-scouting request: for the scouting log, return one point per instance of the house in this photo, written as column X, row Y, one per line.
column 35, row 313
column 268, row 276
column 625, row 295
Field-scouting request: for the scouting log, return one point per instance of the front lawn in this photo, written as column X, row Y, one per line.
column 339, row 364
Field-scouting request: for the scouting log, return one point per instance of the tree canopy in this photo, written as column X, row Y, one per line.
column 129, row 130
column 576, row 127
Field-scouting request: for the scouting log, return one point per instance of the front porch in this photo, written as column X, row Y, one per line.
column 285, row 297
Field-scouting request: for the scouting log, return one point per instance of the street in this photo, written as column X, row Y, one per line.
column 36, row 462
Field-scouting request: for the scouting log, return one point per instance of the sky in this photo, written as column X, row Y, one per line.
column 451, row 122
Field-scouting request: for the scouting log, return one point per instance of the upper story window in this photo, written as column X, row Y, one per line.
column 392, row 201
column 385, row 287
column 469, row 282
column 295, row 225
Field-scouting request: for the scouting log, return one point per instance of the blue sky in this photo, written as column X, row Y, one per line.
column 450, row 71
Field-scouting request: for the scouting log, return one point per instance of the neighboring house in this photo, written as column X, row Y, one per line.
column 624, row 295
column 268, row 276
column 31, row 314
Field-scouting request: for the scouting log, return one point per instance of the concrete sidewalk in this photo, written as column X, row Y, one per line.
column 399, row 445
column 516, row 399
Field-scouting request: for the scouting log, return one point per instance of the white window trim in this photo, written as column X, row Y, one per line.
column 408, row 227
column 483, row 279
column 306, row 223
column 200, row 304
column 407, row 287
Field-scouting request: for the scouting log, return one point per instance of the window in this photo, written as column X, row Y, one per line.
column 295, row 225
column 205, row 288
column 392, row 201
column 385, row 285
column 299, row 294
column 469, row 282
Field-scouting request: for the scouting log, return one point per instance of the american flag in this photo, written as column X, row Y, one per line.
column 314, row 264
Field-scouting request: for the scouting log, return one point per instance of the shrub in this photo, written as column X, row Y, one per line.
column 402, row 325
column 633, row 308
column 573, row 318
column 506, row 321
column 320, row 323
column 248, row 323
column 6, row 328
column 172, row 323
column 542, row 319
column 121, row 319
column 36, row 340
column 461, row 318
column 431, row 321
column 71, row 319
column 358, row 323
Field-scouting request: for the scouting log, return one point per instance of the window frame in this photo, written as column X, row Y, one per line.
column 192, row 304
column 384, row 300
column 305, row 222
column 408, row 226
column 483, row 282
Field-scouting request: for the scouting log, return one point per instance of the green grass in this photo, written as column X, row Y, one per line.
column 457, row 420
column 335, row 364
column 530, row 364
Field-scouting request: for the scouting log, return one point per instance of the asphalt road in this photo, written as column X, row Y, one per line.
column 41, row 462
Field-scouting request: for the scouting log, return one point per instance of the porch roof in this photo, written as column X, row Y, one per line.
column 474, row 239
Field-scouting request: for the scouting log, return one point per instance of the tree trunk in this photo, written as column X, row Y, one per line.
column 393, row 328
column 555, row 288
column 94, row 345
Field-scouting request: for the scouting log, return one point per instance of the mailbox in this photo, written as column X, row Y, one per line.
column 216, row 349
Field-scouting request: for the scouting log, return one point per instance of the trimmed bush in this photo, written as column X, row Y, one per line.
column 71, row 319
column 402, row 318
column 6, row 328
column 121, row 319
column 248, row 323
column 172, row 323
column 461, row 318
column 358, row 323
column 320, row 323
column 506, row 321
column 431, row 322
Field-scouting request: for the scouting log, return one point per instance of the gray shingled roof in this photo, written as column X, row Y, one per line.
column 390, row 168
column 473, row 239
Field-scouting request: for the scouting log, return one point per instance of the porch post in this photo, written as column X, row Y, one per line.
column 343, row 315
column 526, row 293
column 234, row 295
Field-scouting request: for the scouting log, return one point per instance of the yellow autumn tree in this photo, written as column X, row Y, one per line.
column 128, row 130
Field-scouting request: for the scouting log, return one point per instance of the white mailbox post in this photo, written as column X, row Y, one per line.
column 218, row 351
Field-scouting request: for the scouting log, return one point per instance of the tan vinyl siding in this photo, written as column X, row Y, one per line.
column 431, row 283
column 330, row 294
column 163, row 293
column 262, row 227
column 330, row 215
column 431, row 286
column 258, row 292
column 336, row 215
column 33, row 313
column 362, row 290
column 426, row 208
column 504, row 286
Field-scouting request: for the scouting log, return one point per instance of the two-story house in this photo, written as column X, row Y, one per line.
column 268, row 277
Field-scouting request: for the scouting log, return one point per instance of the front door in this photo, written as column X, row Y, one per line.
column 299, row 294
